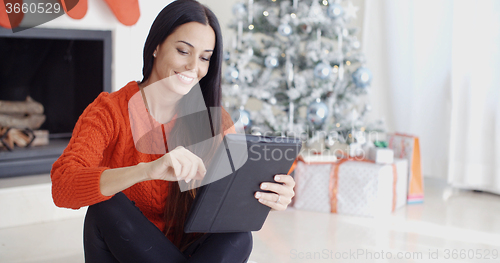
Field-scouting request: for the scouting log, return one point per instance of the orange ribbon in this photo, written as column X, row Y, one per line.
column 334, row 177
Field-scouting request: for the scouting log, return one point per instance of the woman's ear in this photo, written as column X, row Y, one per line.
column 156, row 51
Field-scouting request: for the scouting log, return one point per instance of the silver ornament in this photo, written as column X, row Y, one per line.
column 271, row 62
column 362, row 77
column 345, row 32
column 250, row 51
column 335, row 11
column 356, row 44
column 243, row 117
column 232, row 74
column 255, row 131
column 317, row 112
column 285, row 30
column 239, row 10
column 322, row 70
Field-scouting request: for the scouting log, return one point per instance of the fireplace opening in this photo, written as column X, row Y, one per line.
column 64, row 70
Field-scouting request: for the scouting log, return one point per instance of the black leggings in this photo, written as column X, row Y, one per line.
column 116, row 231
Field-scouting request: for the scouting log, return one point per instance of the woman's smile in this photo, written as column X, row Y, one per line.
column 184, row 79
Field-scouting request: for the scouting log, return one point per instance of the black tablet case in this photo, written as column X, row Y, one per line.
column 228, row 204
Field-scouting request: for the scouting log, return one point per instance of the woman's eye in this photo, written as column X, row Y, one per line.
column 182, row 51
column 205, row 59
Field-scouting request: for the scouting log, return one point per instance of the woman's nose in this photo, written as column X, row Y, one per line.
column 192, row 64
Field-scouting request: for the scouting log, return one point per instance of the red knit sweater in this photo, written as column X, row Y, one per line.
column 102, row 139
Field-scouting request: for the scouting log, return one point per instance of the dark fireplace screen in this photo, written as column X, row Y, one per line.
column 64, row 70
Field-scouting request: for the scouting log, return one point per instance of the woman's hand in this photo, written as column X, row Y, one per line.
column 282, row 192
column 178, row 164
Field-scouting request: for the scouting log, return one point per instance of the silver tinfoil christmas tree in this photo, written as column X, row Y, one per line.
column 302, row 62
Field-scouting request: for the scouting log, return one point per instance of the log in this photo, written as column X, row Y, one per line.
column 19, row 138
column 5, row 139
column 33, row 121
column 41, row 138
column 27, row 107
column 4, row 142
column 15, row 137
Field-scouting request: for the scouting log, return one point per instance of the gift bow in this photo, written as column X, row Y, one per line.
column 380, row 144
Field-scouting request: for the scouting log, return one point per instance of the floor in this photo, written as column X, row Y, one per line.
column 451, row 226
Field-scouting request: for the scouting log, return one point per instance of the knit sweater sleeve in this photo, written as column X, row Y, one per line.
column 76, row 174
column 227, row 123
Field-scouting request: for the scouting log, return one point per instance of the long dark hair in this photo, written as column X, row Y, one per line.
column 186, row 130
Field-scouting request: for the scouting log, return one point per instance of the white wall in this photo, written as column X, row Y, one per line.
column 128, row 42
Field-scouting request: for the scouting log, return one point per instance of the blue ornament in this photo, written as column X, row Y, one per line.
column 271, row 62
column 285, row 30
column 362, row 77
column 226, row 55
column 322, row 70
column 335, row 11
column 231, row 74
column 317, row 112
column 243, row 117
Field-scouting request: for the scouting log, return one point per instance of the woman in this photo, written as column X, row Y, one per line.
column 136, row 210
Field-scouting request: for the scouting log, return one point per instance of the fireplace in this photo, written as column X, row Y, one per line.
column 64, row 70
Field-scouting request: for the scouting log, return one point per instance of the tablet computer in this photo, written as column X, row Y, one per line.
column 227, row 202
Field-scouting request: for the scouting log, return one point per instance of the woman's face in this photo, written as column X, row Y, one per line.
column 183, row 58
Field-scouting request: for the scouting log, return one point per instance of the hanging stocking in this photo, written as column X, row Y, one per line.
column 126, row 11
column 77, row 8
column 15, row 18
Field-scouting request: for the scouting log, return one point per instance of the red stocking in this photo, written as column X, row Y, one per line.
column 15, row 18
column 77, row 8
column 126, row 11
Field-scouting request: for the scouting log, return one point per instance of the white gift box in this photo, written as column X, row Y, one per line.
column 357, row 188
column 381, row 155
column 317, row 158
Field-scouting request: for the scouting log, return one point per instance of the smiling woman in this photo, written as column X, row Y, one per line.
column 185, row 54
column 180, row 62
column 136, row 209
column 132, row 184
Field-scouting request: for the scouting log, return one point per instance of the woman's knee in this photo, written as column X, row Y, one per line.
column 115, row 212
column 241, row 242
column 245, row 239
column 114, row 207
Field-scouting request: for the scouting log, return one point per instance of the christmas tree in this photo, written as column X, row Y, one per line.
column 302, row 63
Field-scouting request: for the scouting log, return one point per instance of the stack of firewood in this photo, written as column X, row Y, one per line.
column 19, row 121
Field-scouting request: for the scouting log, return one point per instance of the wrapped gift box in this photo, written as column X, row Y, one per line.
column 351, row 187
column 381, row 155
column 407, row 147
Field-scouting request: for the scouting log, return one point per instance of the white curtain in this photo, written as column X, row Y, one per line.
column 436, row 67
